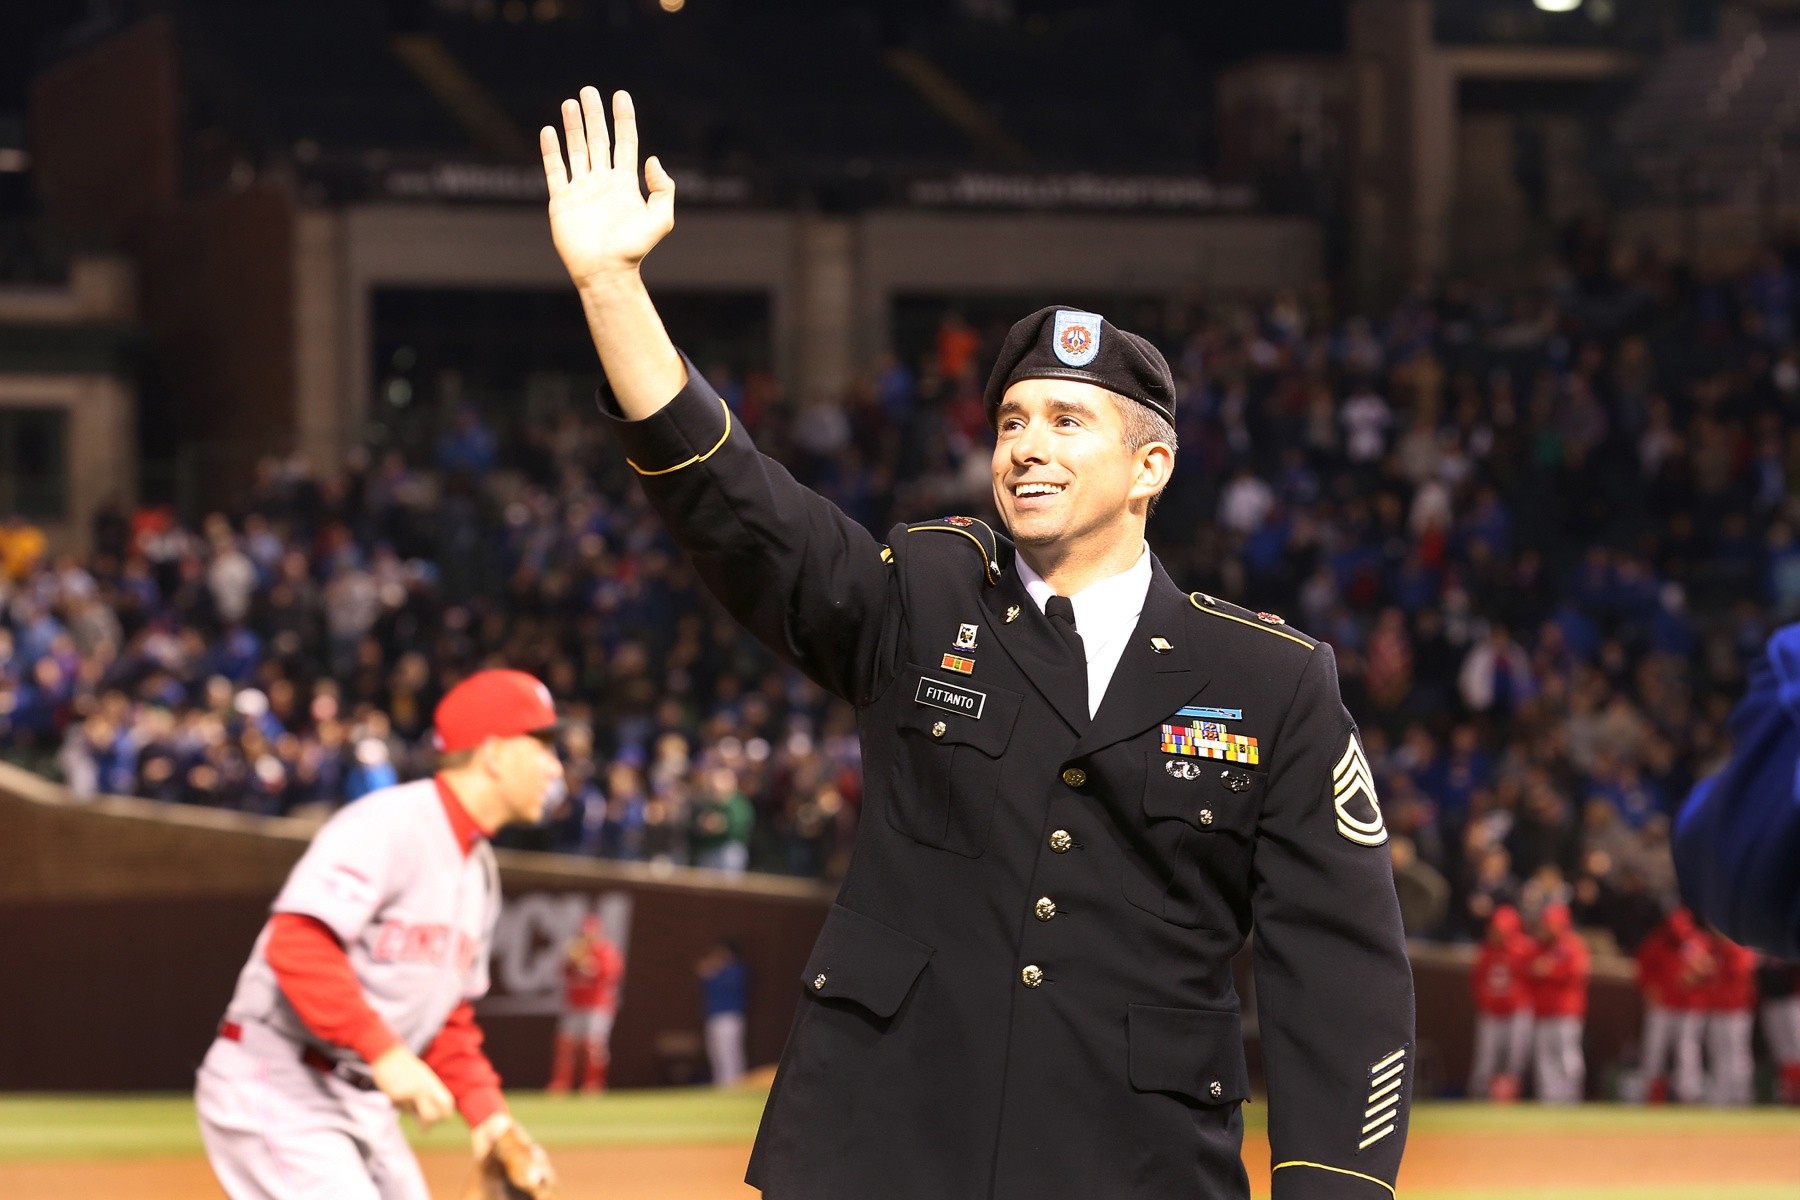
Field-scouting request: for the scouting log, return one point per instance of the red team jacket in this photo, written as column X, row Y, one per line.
column 1559, row 968
column 1674, row 964
column 1501, row 966
column 591, row 974
column 1731, row 987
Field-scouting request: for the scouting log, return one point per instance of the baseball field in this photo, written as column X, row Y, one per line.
column 691, row 1145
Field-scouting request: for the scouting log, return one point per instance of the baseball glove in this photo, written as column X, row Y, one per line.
column 516, row 1168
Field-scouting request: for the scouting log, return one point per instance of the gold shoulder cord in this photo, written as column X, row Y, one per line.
column 698, row 458
column 990, row 568
column 1194, row 599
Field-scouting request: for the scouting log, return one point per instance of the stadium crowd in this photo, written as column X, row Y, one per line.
column 1545, row 534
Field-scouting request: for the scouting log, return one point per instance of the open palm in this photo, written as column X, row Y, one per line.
column 601, row 223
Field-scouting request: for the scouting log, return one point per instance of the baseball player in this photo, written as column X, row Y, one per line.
column 1083, row 785
column 1672, row 963
column 1729, row 1011
column 1503, row 1018
column 1778, row 983
column 1559, row 984
column 356, row 1001
column 592, row 968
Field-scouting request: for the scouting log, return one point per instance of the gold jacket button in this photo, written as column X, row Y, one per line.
column 1206, row 817
column 1032, row 976
column 939, row 729
column 1074, row 777
column 1045, row 908
column 818, row 983
column 1061, row 842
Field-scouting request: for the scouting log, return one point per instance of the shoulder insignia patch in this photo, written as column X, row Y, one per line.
column 1212, row 606
column 1350, row 779
column 979, row 534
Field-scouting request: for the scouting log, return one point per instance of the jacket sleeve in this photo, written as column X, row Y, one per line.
column 1737, row 840
column 1334, row 987
column 809, row 582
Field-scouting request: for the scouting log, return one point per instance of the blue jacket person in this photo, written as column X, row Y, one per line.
column 1737, row 840
column 1083, row 787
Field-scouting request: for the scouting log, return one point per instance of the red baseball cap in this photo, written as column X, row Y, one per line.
column 493, row 704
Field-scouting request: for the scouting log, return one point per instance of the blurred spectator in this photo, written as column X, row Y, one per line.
column 1424, row 893
column 22, row 546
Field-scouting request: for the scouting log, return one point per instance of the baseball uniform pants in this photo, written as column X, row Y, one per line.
column 1561, row 1069
column 276, row 1128
column 1781, row 1025
column 725, row 1047
column 1732, row 1077
column 1502, row 1047
column 1672, row 1034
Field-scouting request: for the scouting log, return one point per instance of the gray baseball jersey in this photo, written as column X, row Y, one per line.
column 415, row 914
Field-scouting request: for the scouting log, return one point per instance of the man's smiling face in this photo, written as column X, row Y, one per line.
column 1062, row 469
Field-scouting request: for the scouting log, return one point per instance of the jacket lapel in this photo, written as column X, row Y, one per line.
column 1043, row 657
column 1147, row 687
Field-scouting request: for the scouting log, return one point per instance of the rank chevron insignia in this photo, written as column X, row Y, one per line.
column 1350, row 778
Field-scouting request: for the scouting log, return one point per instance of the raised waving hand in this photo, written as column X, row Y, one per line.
column 601, row 222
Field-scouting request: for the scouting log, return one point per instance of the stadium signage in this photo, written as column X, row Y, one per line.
column 490, row 183
column 525, row 970
column 1171, row 193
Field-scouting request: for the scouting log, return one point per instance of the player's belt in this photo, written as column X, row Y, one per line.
column 313, row 1057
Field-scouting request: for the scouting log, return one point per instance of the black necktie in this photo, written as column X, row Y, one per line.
column 1062, row 619
column 1062, row 615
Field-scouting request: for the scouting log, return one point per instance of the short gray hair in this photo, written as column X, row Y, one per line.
column 1144, row 425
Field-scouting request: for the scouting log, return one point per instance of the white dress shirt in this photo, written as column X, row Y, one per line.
column 1106, row 613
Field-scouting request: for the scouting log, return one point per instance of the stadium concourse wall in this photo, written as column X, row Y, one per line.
column 123, row 924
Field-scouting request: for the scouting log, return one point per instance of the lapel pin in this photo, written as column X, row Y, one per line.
column 1161, row 645
column 1012, row 613
column 965, row 637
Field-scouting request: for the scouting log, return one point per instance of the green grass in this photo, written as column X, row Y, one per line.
column 77, row 1126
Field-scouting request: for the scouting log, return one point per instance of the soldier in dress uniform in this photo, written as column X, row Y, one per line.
column 1083, row 787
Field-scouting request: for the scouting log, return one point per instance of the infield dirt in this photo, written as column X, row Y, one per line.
column 1717, row 1163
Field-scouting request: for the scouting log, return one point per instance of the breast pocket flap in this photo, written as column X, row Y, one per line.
column 1193, row 1052
column 1212, row 796
column 859, row 959
column 959, row 713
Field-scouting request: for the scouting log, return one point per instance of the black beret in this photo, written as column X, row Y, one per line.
column 1060, row 342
